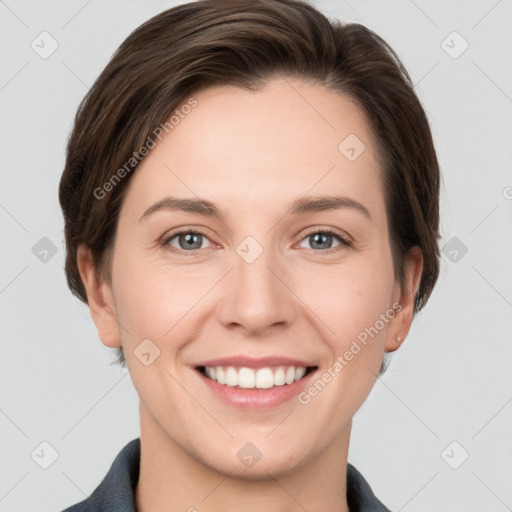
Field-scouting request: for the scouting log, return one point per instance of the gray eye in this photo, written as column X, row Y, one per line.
column 321, row 240
column 188, row 240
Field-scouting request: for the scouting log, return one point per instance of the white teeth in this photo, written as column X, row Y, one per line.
column 231, row 376
column 220, row 375
column 248, row 378
column 264, row 378
column 299, row 373
column 279, row 378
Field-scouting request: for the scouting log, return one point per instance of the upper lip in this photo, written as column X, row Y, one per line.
column 254, row 362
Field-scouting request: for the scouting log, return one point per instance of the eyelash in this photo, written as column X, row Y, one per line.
column 344, row 242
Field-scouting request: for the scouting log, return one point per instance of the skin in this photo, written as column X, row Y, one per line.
column 252, row 154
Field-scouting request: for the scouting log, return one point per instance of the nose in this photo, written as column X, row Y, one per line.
column 258, row 296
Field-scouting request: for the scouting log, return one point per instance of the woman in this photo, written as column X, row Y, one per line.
column 251, row 213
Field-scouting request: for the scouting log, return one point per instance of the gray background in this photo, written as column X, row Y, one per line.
column 450, row 381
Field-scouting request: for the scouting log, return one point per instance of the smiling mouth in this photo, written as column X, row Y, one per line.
column 251, row 378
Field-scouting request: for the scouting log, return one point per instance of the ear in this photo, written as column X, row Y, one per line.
column 401, row 323
column 100, row 299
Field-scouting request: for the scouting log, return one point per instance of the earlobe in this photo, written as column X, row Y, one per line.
column 403, row 320
column 100, row 299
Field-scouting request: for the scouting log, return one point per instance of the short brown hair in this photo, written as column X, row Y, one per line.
column 245, row 43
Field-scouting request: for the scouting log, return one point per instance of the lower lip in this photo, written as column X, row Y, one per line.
column 256, row 398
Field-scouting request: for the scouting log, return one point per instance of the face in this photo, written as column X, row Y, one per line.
column 273, row 282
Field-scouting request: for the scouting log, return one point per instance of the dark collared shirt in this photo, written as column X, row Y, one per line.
column 116, row 492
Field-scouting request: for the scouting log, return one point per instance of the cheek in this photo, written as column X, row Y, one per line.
column 153, row 301
column 349, row 298
column 155, row 307
column 351, row 306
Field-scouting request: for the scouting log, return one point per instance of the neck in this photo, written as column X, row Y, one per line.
column 171, row 479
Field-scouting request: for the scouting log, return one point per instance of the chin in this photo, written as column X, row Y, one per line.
column 251, row 464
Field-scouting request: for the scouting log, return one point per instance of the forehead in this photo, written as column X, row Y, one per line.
column 248, row 149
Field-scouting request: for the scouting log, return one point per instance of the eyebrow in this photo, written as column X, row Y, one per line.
column 301, row 206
